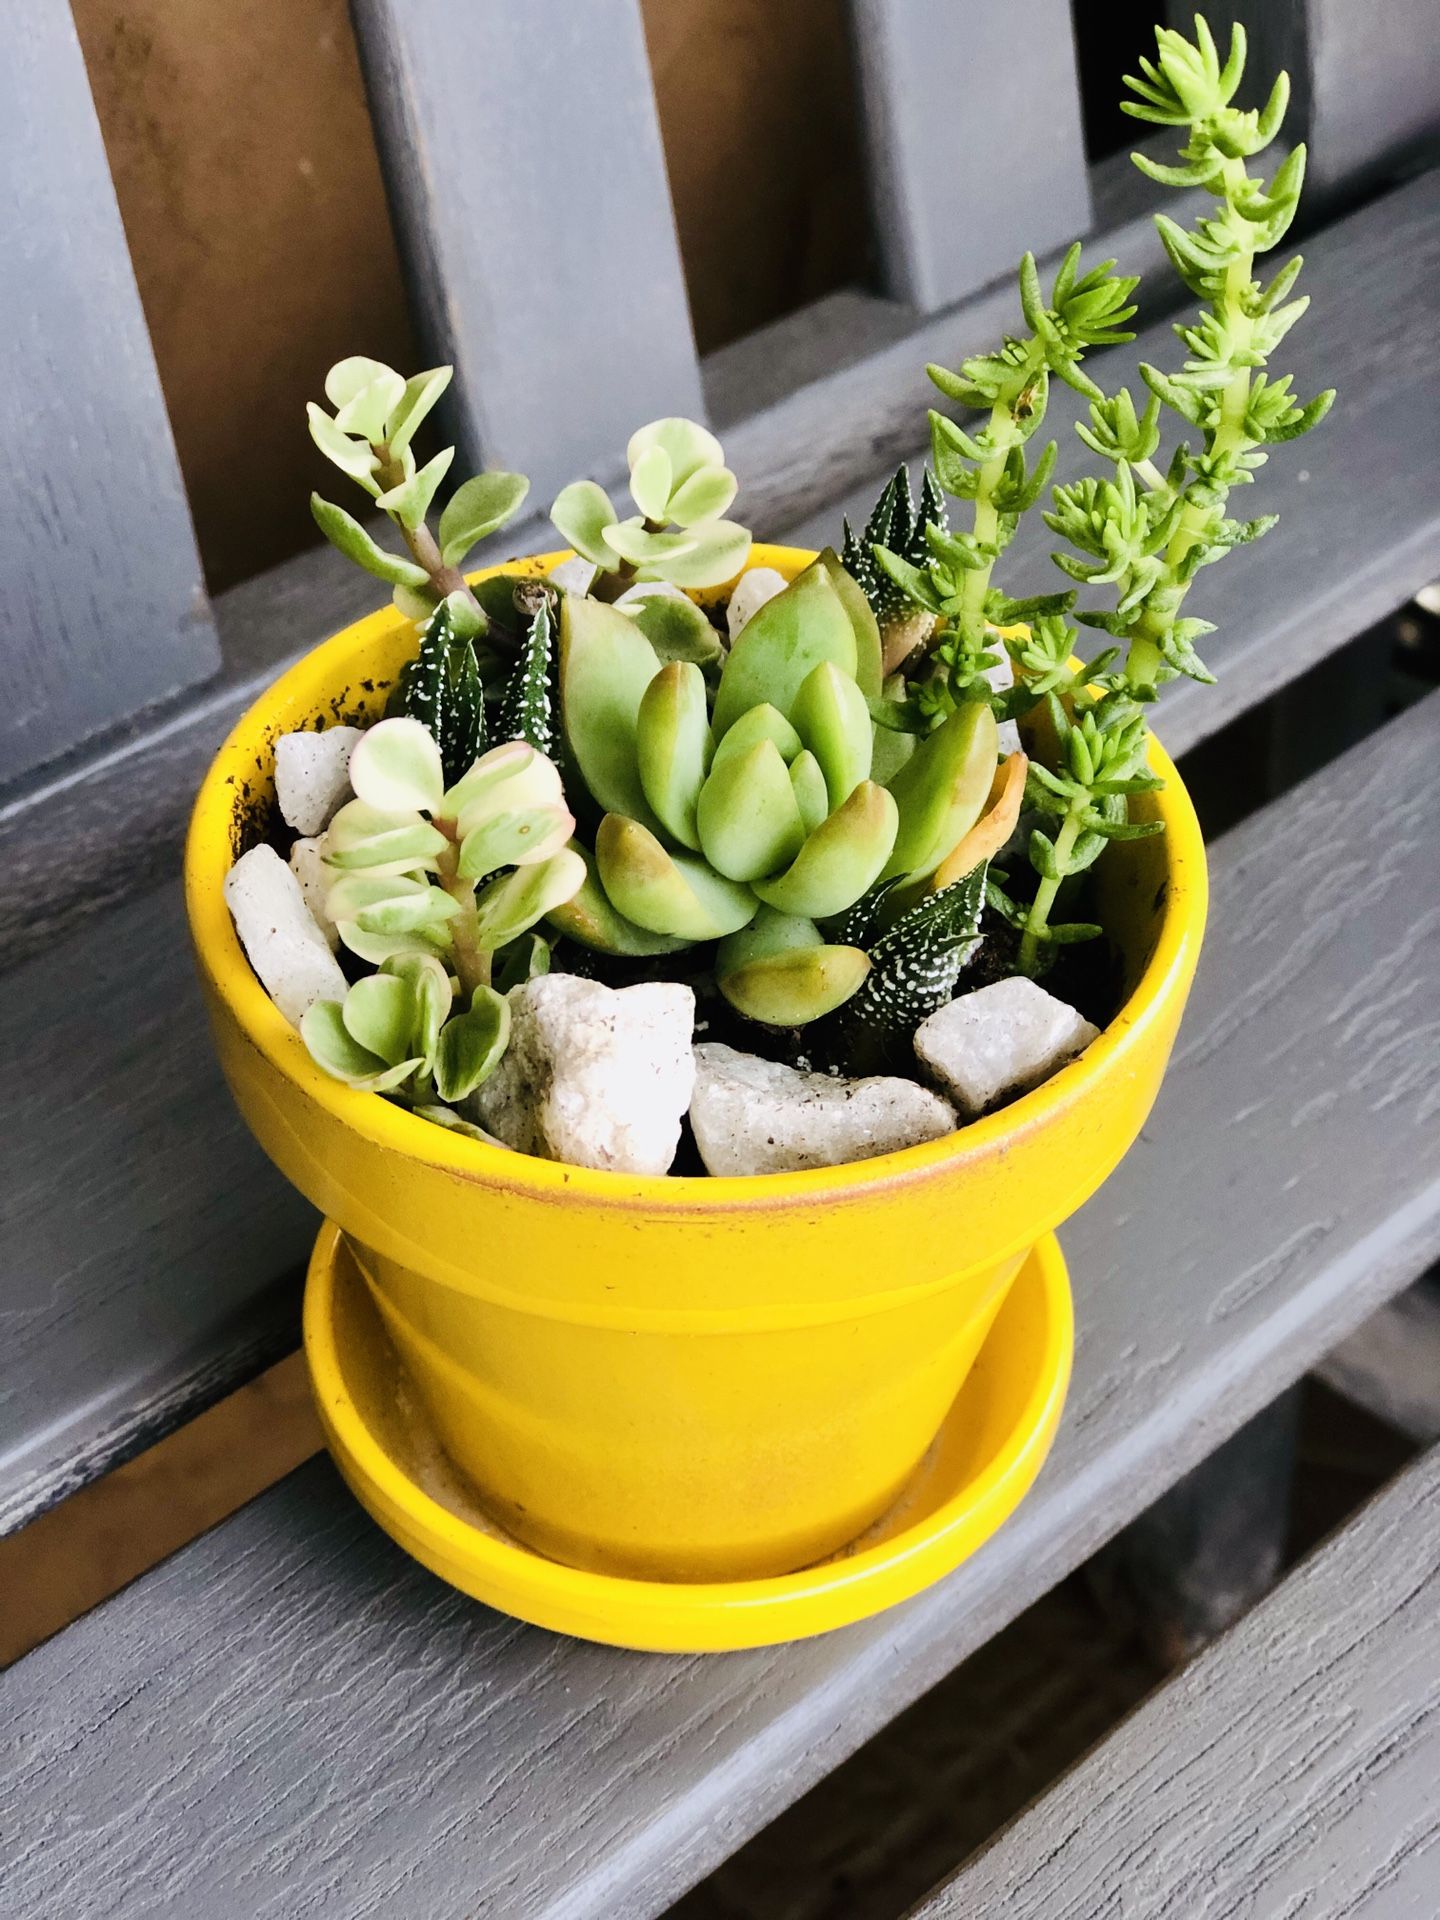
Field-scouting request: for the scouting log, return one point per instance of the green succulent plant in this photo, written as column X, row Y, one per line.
column 1133, row 528
column 409, row 853
column 369, row 438
column 681, row 487
column 752, row 819
column 818, row 806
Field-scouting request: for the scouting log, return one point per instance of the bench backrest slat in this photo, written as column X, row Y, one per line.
column 522, row 153
column 948, row 92
column 104, row 609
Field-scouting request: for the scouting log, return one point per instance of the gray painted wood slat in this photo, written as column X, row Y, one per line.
column 1294, row 1762
column 1391, row 1365
column 1321, row 576
column 522, row 154
column 105, row 609
column 1365, row 79
column 289, row 1716
column 118, row 1127
column 951, row 189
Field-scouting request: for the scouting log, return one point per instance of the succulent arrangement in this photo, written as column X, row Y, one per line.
column 806, row 811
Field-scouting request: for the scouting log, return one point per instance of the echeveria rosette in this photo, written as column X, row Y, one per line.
column 681, row 487
column 754, row 819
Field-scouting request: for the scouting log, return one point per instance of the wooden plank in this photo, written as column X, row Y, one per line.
column 1299, row 1753
column 105, row 608
column 1321, row 576
column 1391, row 1365
column 949, row 191
column 152, row 1255
column 346, row 1733
column 1366, row 79
column 1329, row 570
column 522, row 153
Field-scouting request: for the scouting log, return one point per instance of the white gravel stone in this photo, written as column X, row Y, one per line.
column 1002, row 677
column 1000, row 1040
column 312, row 775
column 573, row 575
column 759, row 1116
column 307, row 863
column 279, row 934
column 751, row 592
column 594, row 1076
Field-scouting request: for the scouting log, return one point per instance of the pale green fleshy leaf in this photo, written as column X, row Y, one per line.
column 410, row 501
column 687, row 444
column 479, row 508
column 704, row 496
column 715, row 552
column 422, row 390
column 650, row 482
column 512, row 906
column 581, row 512
column 632, row 540
column 352, row 457
column 471, row 1044
column 378, row 1015
column 396, row 767
column 346, row 533
column 367, row 411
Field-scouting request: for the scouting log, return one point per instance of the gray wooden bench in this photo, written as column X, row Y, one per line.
column 289, row 1717
column 1290, row 1770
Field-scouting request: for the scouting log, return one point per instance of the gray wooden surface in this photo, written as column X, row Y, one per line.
column 118, row 1129
column 1323, row 574
column 950, row 192
column 104, row 610
column 1291, row 1770
column 1366, row 78
column 522, row 153
column 1392, row 1364
column 289, row 1717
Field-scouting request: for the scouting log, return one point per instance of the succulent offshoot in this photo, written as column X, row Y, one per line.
column 681, row 488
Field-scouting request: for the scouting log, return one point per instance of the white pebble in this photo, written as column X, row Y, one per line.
column 279, row 934
column 752, row 590
column 312, row 775
column 307, row 863
column 1001, row 678
column 1000, row 1040
column 573, row 575
column 760, row 1116
column 593, row 1076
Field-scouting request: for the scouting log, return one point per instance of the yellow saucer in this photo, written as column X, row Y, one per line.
column 983, row 1461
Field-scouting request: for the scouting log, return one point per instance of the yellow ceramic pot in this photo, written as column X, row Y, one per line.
column 688, row 1379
